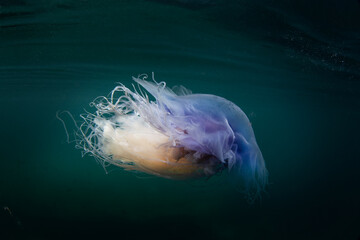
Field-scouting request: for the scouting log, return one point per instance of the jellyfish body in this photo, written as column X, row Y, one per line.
column 179, row 135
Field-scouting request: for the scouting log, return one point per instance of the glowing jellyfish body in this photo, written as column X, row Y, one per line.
column 180, row 135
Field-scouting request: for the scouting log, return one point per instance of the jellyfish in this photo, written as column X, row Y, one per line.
column 172, row 133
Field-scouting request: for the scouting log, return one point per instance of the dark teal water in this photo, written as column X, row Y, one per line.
column 292, row 66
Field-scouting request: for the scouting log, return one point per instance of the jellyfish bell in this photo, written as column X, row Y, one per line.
column 179, row 135
column 135, row 145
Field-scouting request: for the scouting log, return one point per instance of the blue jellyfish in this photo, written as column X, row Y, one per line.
column 175, row 134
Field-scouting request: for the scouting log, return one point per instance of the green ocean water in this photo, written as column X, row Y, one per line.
column 293, row 67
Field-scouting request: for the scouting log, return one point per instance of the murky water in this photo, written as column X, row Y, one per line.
column 293, row 67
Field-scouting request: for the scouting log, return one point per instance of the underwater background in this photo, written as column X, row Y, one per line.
column 292, row 66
